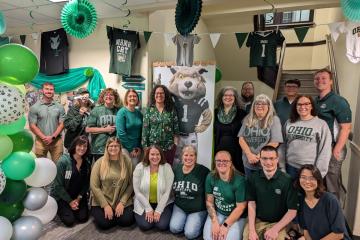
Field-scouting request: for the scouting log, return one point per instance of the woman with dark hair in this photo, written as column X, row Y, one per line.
column 71, row 184
column 76, row 117
column 111, row 188
column 101, row 122
column 225, row 200
column 160, row 123
column 307, row 138
column 321, row 216
column 152, row 179
column 129, row 125
column 227, row 123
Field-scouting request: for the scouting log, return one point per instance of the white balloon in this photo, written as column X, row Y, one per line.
column 6, row 229
column 12, row 104
column 46, row 213
column 44, row 173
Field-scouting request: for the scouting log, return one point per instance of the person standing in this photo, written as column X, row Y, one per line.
column 101, row 122
column 46, row 121
column 129, row 126
column 283, row 105
column 227, row 123
column 76, row 117
column 247, row 96
column 160, row 123
column 336, row 112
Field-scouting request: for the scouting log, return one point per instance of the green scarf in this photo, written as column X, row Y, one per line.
column 226, row 118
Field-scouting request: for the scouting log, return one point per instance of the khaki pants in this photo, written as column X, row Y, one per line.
column 55, row 148
column 260, row 228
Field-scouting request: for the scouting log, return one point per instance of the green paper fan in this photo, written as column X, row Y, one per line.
column 351, row 9
column 79, row 18
column 187, row 15
column 2, row 24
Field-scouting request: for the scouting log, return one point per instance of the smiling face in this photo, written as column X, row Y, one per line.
column 247, row 91
column 80, row 149
column 132, row 99
column 189, row 158
column 84, row 99
column 269, row 161
column 223, row 163
column 261, row 109
column 159, row 95
column 48, row 91
column 323, row 82
column 154, row 157
column 291, row 90
column 304, row 107
column 307, row 181
column 109, row 99
column 114, row 149
column 228, row 98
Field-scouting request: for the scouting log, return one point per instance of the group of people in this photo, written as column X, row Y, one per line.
column 128, row 163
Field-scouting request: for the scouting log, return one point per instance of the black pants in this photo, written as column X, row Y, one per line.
column 163, row 223
column 69, row 217
column 125, row 220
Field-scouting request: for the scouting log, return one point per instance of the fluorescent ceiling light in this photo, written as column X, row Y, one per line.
column 58, row 0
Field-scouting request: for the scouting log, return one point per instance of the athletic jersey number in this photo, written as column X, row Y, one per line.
column 263, row 50
column 184, row 118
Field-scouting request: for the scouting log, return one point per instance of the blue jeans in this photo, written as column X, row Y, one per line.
column 292, row 171
column 191, row 224
column 235, row 232
column 248, row 171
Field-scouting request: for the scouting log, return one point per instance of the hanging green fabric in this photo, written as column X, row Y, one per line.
column 73, row 79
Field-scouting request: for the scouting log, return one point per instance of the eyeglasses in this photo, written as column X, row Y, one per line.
column 160, row 93
column 268, row 158
column 261, row 104
column 291, row 86
column 219, row 161
column 308, row 178
column 113, row 146
column 303, row 104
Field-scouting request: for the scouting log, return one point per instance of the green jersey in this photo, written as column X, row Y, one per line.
column 263, row 48
column 226, row 194
column 123, row 44
column 189, row 188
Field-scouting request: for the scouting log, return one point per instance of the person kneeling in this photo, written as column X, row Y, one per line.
column 153, row 179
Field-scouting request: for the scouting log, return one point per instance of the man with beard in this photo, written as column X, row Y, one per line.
column 46, row 121
column 247, row 96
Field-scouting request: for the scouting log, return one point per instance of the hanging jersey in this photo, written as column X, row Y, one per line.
column 352, row 31
column 123, row 44
column 189, row 112
column 54, row 56
column 263, row 47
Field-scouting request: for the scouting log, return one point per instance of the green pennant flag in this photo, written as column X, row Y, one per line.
column 240, row 37
column 301, row 33
column 147, row 36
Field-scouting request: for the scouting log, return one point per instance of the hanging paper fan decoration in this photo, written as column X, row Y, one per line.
column 79, row 18
column 351, row 9
column 187, row 15
column 2, row 24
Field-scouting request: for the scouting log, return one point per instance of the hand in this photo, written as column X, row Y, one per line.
column 157, row 216
column 135, row 152
column 109, row 129
column 253, row 235
column 74, row 204
column 271, row 234
column 200, row 128
column 252, row 158
column 149, row 216
column 176, row 140
column 47, row 140
column 83, row 110
column 108, row 212
column 215, row 230
column 336, row 152
column 119, row 210
column 223, row 232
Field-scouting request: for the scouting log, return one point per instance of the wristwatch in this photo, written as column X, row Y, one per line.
column 225, row 224
column 53, row 137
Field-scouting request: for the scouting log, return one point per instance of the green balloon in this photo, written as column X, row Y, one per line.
column 18, row 64
column 15, row 191
column 14, row 127
column 22, row 141
column 11, row 211
column 6, row 147
column 18, row 165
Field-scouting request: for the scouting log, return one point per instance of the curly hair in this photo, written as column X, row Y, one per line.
column 219, row 99
column 294, row 115
column 168, row 103
column 112, row 91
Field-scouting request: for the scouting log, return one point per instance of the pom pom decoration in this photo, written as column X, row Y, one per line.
column 79, row 18
column 351, row 9
column 187, row 15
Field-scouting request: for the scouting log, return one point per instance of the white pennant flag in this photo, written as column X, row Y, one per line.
column 10, row 37
column 335, row 29
column 168, row 38
column 35, row 36
column 214, row 37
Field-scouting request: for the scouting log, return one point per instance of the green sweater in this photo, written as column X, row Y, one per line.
column 115, row 187
column 62, row 180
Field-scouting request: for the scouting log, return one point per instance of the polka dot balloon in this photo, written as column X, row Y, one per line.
column 12, row 104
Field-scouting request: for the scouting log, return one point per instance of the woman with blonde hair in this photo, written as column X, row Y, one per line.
column 101, row 122
column 260, row 127
column 111, row 187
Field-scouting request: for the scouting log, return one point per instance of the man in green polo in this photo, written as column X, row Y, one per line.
column 272, row 199
column 46, row 121
column 336, row 112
